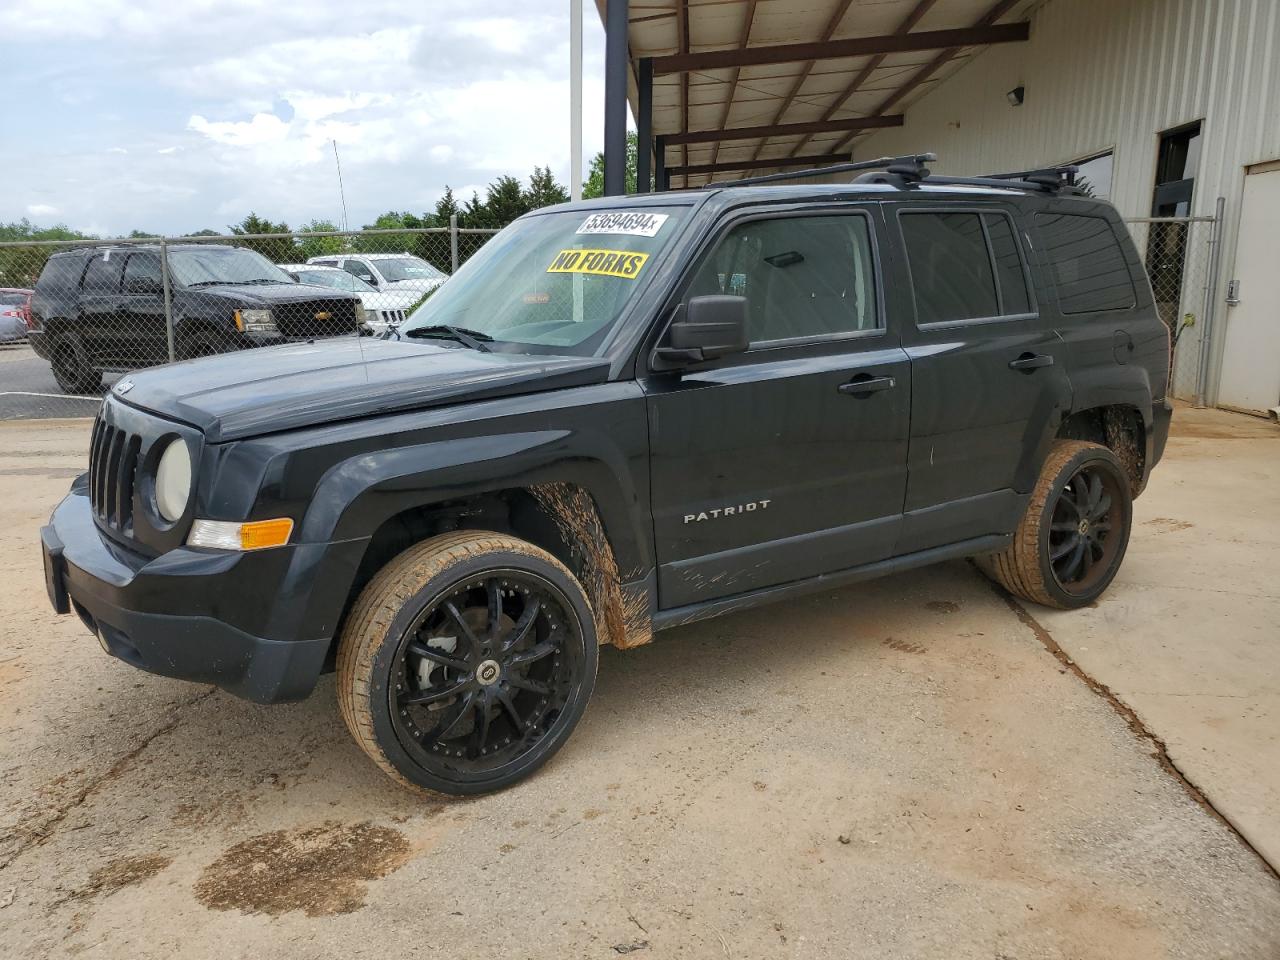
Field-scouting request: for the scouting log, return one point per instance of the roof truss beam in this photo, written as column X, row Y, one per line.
column 834, row 49
column 785, row 129
column 726, row 165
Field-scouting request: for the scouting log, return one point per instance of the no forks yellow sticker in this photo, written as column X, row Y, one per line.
column 601, row 263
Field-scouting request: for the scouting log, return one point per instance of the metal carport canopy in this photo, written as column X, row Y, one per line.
column 732, row 88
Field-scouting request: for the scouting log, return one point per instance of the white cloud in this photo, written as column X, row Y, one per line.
column 416, row 98
column 41, row 210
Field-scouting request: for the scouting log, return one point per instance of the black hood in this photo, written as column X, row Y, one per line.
column 270, row 389
column 268, row 293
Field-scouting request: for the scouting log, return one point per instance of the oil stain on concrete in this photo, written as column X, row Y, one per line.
column 320, row 870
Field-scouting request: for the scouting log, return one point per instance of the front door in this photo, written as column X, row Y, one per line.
column 145, row 334
column 789, row 460
column 986, row 373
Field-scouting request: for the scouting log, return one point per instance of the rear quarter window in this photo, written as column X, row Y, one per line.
column 1086, row 262
column 60, row 273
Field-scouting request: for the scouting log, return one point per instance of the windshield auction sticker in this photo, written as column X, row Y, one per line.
column 630, row 223
column 601, row 263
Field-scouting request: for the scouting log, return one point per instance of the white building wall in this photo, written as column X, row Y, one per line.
column 1111, row 75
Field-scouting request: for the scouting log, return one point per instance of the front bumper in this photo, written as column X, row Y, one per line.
column 258, row 625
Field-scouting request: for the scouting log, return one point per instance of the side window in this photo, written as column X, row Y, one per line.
column 357, row 268
column 951, row 274
column 141, row 267
column 1010, row 275
column 802, row 276
column 103, row 275
column 1088, row 266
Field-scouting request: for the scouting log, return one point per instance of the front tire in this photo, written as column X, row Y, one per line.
column 466, row 662
column 1073, row 537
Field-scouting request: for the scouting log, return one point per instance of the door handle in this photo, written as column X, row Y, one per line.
column 867, row 385
column 1031, row 361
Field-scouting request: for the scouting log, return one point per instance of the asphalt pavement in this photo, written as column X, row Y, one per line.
column 28, row 390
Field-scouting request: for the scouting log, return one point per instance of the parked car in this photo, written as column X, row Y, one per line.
column 102, row 308
column 620, row 416
column 382, row 308
column 387, row 272
column 15, row 314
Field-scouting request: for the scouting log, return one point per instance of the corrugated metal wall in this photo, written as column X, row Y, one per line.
column 1113, row 74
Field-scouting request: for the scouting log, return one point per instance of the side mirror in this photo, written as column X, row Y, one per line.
column 143, row 285
column 368, row 278
column 707, row 328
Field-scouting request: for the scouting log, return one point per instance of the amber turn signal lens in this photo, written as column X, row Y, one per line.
column 265, row 533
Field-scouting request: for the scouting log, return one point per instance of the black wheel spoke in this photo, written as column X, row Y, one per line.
column 1103, row 508
column 1080, row 487
column 459, row 622
column 480, row 734
column 493, row 593
column 1086, row 557
column 533, row 686
column 1073, row 561
column 1062, row 550
column 525, row 624
column 532, row 655
column 435, row 694
column 1095, row 494
column 437, row 656
column 510, row 707
column 1067, row 499
column 454, row 719
column 1065, row 526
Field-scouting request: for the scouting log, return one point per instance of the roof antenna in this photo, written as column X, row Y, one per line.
column 341, row 194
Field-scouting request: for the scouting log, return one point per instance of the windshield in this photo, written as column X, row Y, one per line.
column 553, row 283
column 211, row 265
column 406, row 268
column 338, row 279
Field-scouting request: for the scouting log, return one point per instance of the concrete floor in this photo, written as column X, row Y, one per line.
column 899, row 769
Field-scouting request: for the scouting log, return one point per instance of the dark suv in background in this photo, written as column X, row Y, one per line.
column 620, row 416
column 103, row 308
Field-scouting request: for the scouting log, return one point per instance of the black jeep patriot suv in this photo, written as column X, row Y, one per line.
column 103, row 308
column 620, row 416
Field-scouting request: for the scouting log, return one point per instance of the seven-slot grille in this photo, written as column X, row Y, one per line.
column 113, row 466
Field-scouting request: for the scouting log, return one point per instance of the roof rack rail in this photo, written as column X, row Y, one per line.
column 909, row 166
column 1046, row 178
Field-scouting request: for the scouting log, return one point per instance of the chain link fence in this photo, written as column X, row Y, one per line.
column 77, row 315
column 1181, row 255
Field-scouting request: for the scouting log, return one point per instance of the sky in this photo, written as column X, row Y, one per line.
column 181, row 115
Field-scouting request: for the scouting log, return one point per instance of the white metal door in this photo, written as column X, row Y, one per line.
column 1251, row 357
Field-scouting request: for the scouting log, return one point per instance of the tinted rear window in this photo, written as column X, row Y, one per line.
column 950, row 267
column 9, row 299
column 61, row 272
column 1087, row 263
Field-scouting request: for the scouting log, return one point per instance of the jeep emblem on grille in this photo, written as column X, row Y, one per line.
column 124, row 386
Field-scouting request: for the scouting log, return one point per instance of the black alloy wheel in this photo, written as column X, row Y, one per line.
column 1086, row 513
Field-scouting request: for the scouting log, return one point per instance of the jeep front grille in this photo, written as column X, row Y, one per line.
column 113, row 466
column 391, row 316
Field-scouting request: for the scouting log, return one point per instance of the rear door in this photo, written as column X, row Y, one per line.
column 102, row 325
column 787, row 461
column 144, row 336
column 988, row 373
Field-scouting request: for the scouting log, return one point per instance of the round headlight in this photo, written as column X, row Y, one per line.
column 173, row 481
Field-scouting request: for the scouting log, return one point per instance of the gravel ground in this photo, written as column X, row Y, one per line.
column 898, row 769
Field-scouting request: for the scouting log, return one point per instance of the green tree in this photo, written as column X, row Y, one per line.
column 318, row 246
column 543, row 190
column 20, row 266
column 275, row 249
column 593, row 186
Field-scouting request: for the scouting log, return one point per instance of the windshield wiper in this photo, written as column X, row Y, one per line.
column 474, row 339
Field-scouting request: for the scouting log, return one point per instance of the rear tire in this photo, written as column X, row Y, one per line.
column 466, row 662
column 1071, row 541
column 71, row 366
